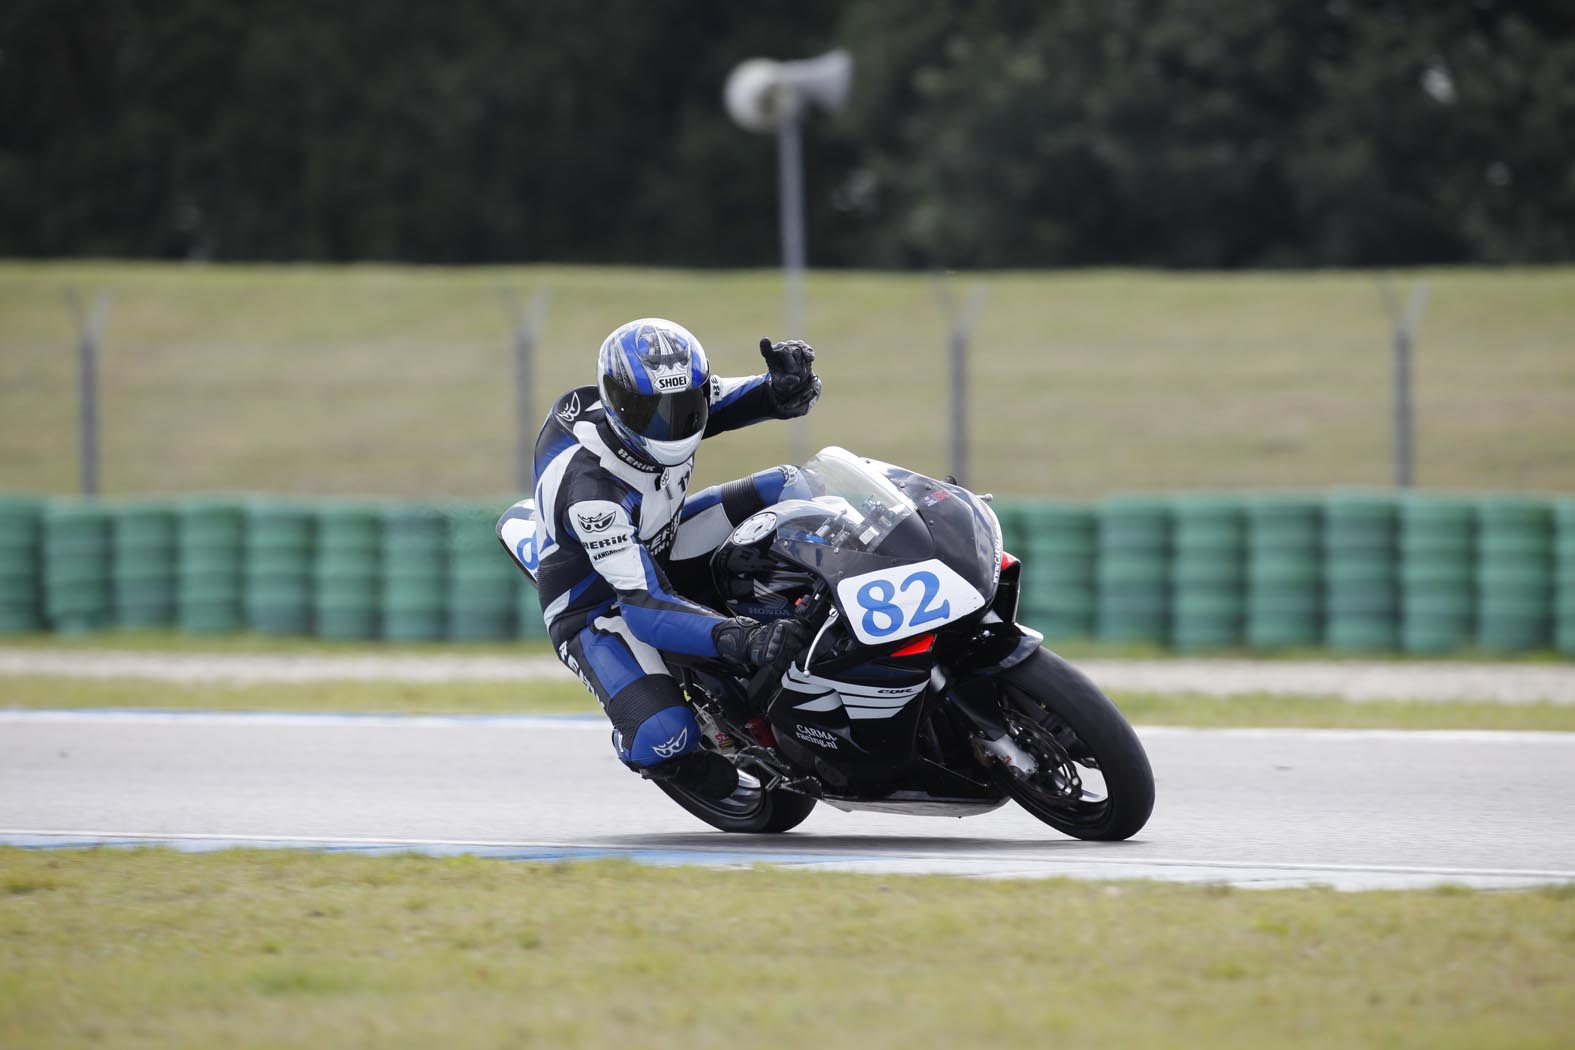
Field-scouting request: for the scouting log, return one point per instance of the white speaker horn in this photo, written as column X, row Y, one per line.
column 762, row 94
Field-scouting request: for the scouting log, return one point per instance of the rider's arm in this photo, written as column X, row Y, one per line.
column 739, row 403
column 787, row 390
column 655, row 613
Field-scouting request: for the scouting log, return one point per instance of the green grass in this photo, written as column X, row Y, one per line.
column 248, row 643
column 472, row 698
column 249, row 948
column 173, row 641
column 568, row 697
column 396, row 380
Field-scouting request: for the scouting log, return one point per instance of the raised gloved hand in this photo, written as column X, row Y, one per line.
column 748, row 644
column 791, row 377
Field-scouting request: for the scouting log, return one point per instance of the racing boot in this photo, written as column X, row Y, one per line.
column 705, row 773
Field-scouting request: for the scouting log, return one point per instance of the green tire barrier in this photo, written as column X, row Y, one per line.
column 1058, row 547
column 75, row 550
column 209, row 548
column 1361, row 566
column 483, row 598
column 1283, row 595
column 1350, row 570
column 1515, row 574
column 1132, row 574
column 1208, row 598
column 1564, row 576
column 278, row 564
column 1437, row 541
column 143, row 565
column 20, row 565
column 414, row 574
column 346, row 567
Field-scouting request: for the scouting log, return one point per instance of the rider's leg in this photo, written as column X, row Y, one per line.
column 710, row 515
column 654, row 730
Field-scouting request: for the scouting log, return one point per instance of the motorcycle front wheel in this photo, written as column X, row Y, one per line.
column 748, row 810
column 1092, row 778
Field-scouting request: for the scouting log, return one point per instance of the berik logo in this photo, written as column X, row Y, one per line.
column 660, row 352
column 595, row 522
column 635, row 461
column 678, row 382
column 571, row 411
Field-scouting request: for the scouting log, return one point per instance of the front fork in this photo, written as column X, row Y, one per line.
column 990, row 739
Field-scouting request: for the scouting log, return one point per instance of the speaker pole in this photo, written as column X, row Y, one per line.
column 790, row 185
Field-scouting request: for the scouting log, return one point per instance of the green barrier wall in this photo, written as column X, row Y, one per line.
column 1564, row 576
column 21, row 565
column 1284, row 572
column 1354, row 571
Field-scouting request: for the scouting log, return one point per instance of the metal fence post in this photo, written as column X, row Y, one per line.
column 90, row 329
column 527, row 323
column 962, row 320
column 1405, row 326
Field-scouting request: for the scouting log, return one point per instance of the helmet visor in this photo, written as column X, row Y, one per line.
column 662, row 417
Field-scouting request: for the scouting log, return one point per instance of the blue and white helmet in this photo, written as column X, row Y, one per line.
column 653, row 376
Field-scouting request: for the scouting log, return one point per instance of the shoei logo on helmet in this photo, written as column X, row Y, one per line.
column 674, row 382
column 672, row 745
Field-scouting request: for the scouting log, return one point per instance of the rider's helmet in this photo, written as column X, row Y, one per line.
column 653, row 375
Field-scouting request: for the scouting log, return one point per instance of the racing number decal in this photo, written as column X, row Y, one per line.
column 527, row 552
column 894, row 602
column 875, row 599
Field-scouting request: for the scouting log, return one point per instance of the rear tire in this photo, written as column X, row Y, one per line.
column 749, row 810
column 1046, row 697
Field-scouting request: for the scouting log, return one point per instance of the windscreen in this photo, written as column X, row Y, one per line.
column 869, row 507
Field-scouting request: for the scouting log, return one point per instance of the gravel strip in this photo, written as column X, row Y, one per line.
column 1505, row 683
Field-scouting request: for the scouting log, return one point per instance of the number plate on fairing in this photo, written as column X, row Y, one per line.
column 894, row 603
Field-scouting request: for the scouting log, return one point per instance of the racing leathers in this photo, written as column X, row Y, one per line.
column 614, row 529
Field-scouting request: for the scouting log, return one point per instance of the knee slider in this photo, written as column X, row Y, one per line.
column 664, row 736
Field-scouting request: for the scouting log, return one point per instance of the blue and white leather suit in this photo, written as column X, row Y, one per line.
column 613, row 528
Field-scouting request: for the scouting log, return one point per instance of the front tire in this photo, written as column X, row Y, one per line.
column 1055, row 713
column 748, row 810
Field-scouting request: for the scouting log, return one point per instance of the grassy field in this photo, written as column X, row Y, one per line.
column 398, row 380
column 568, row 697
column 241, row 949
column 175, row 641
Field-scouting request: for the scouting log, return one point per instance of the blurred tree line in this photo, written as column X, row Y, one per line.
column 985, row 133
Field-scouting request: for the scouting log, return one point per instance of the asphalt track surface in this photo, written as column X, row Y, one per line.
column 1354, row 809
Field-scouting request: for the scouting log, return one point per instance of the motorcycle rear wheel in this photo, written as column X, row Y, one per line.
column 1055, row 713
column 749, row 810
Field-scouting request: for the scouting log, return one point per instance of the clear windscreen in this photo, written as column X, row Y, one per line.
column 869, row 506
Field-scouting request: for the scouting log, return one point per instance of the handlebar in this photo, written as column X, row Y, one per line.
column 769, row 677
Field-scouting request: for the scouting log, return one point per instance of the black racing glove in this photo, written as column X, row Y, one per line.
column 791, row 380
column 748, row 644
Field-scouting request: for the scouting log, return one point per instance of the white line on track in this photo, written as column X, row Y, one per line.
column 1356, row 809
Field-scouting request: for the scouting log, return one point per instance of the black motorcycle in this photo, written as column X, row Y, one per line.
column 919, row 692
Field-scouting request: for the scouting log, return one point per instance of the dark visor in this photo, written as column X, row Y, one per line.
column 662, row 417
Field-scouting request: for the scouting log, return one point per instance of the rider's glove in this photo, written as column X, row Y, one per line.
column 791, row 378
column 748, row 644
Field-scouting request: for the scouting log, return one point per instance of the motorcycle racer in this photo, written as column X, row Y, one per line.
column 612, row 469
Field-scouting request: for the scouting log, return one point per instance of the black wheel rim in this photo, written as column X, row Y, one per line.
column 1058, row 787
column 746, row 802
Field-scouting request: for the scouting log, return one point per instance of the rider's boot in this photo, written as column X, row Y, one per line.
column 705, row 773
